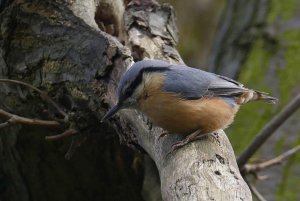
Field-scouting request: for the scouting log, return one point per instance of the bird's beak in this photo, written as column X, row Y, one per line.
column 111, row 112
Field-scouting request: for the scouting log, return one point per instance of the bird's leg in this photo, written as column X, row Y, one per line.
column 197, row 135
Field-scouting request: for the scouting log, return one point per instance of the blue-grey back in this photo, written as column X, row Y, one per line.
column 186, row 82
column 191, row 83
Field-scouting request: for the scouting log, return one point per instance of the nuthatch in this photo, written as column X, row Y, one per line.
column 181, row 99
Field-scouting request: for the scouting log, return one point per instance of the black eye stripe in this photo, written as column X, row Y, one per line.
column 128, row 90
column 139, row 78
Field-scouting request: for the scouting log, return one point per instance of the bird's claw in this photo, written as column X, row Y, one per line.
column 190, row 138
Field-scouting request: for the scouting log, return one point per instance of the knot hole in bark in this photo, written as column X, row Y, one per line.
column 109, row 16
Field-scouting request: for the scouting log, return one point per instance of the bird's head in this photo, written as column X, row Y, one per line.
column 130, row 86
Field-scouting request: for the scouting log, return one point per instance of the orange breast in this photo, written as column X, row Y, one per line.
column 176, row 115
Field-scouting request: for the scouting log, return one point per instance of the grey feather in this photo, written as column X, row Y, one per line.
column 230, row 80
column 191, row 83
column 133, row 76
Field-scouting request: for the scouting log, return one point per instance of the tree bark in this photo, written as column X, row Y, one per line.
column 58, row 46
column 242, row 22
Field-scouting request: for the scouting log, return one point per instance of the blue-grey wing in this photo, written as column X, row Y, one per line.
column 191, row 83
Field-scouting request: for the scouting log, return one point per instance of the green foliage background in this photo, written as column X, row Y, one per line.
column 271, row 66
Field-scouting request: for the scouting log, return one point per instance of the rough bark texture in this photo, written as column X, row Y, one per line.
column 44, row 43
column 57, row 46
column 209, row 175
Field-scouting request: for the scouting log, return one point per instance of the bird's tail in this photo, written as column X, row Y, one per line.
column 258, row 95
column 251, row 95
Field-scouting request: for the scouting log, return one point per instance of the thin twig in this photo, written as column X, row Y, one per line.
column 275, row 161
column 5, row 124
column 71, row 150
column 255, row 192
column 67, row 133
column 73, row 146
column 268, row 130
column 15, row 119
column 43, row 94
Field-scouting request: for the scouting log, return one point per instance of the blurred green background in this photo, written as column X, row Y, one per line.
column 272, row 65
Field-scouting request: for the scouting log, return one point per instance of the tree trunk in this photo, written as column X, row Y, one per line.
column 242, row 22
column 58, row 47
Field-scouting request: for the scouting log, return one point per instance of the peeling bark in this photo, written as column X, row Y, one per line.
column 211, row 161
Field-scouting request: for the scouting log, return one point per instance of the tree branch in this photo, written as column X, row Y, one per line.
column 241, row 24
column 249, row 168
column 255, row 192
column 67, row 133
column 211, row 160
column 75, row 143
column 268, row 130
column 5, row 124
column 15, row 119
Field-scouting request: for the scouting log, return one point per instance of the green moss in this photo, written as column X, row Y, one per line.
column 253, row 116
column 283, row 9
column 57, row 66
column 12, row 101
column 256, row 61
column 279, row 144
column 289, row 185
column 289, row 75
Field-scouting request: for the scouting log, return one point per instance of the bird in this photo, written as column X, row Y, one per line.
column 181, row 99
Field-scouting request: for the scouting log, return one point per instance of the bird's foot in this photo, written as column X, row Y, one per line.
column 197, row 135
